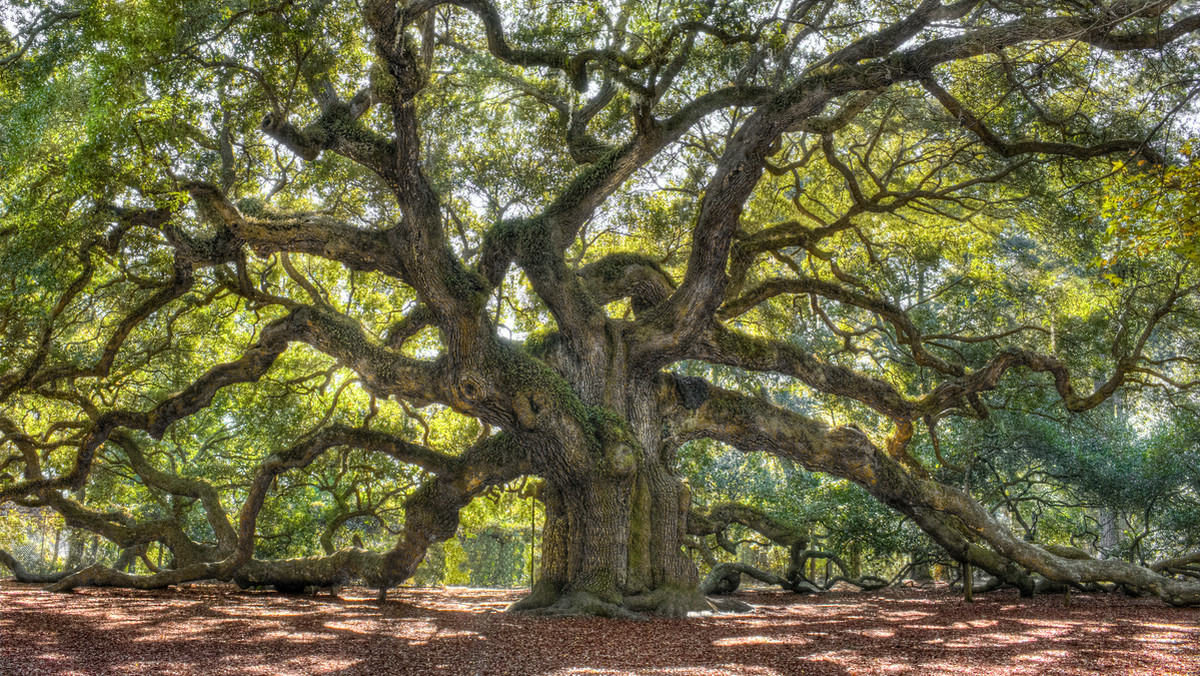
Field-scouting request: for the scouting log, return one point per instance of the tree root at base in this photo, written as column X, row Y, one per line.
column 664, row 602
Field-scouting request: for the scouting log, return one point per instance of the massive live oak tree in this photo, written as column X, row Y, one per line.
column 272, row 232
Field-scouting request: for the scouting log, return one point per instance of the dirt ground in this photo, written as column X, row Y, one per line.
column 216, row 629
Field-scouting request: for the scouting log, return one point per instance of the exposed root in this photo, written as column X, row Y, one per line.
column 543, row 595
column 577, row 604
column 731, row 606
column 665, row 602
column 670, row 602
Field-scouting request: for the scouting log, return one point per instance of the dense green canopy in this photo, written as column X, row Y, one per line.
column 280, row 276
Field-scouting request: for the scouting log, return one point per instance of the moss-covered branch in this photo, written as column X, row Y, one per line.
column 253, row 364
column 310, row 233
column 732, row 348
column 184, row 486
column 718, row 519
column 337, row 130
column 431, row 516
column 635, row 276
column 949, row 515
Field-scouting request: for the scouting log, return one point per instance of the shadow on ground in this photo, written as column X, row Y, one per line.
column 216, row 629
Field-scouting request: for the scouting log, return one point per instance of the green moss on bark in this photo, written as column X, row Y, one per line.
column 612, row 267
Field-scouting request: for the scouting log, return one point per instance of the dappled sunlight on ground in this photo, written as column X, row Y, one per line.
column 217, row 629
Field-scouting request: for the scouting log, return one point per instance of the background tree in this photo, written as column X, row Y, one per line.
column 460, row 243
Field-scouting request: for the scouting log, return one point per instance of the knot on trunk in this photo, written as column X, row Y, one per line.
column 618, row 446
column 620, row 460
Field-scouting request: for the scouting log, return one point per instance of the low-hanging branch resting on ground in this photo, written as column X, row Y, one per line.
column 431, row 515
column 724, row 577
column 21, row 574
column 949, row 515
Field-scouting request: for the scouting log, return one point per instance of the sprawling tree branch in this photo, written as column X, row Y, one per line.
column 185, row 486
column 338, row 130
column 1027, row 147
column 684, row 315
column 251, row 366
column 314, row 234
column 431, row 516
column 906, row 331
column 949, row 515
column 47, row 18
column 719, row 517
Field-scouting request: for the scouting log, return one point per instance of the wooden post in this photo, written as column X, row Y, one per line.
column 968, row 583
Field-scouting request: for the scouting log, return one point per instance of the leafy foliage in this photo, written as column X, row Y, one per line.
column 287, row 281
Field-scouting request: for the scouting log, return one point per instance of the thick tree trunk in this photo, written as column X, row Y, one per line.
column 584, row 550
column 612, row 541
column 610, row 546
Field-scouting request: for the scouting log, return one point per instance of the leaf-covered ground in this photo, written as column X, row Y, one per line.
column 216, row 629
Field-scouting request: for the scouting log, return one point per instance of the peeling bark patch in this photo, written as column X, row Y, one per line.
column 215, row 629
